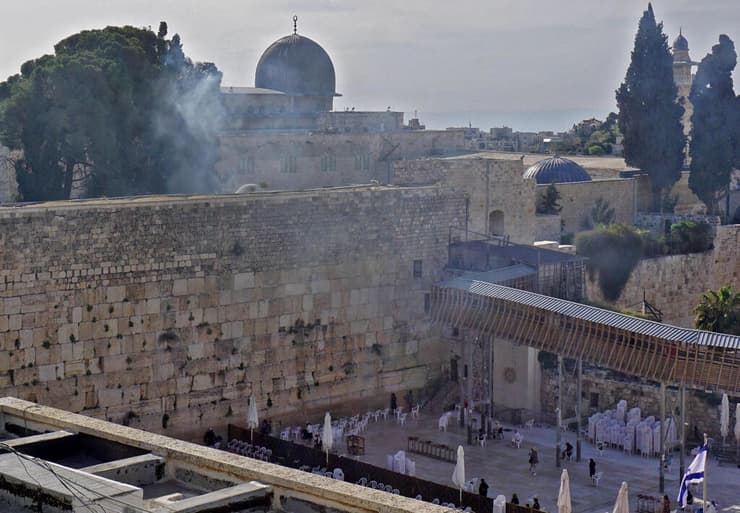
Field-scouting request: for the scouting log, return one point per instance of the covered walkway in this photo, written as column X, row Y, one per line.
column 666, row 354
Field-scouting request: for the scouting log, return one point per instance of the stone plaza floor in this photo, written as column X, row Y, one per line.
column 507, row 471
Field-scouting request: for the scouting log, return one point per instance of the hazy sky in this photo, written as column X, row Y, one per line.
column 450, row 56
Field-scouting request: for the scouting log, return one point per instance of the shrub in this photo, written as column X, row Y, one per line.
column 566, row 238
column 652, row 245
column 602, row 213
column 548, row 202
column 691, row 237
column 613, row 251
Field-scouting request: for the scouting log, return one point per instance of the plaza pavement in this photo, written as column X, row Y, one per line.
column 507, row 471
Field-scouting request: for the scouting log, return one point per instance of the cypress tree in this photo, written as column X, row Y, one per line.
column 713, row 125
column 649, row 112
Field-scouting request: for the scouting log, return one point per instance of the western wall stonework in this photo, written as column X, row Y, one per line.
column 674, row 284
column 166, row 313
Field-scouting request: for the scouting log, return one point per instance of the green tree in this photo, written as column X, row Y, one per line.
column 649, row 113
column 121, row 110
column 602, row 213
column 719, row 311
column 548, row 203
column 713, row 129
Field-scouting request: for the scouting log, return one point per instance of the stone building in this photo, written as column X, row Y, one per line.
column 283, row 133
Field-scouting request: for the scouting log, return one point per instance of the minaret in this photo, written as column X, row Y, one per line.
column 682, row 65
column 683, row 77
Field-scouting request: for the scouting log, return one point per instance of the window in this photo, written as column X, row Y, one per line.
column 328, row 163
column 453, row 369
column 594, row 400
column 455, row 331
column 362, row 162
column 417, row 268
column 288, row 164
column 247, row 165
column 427, row 302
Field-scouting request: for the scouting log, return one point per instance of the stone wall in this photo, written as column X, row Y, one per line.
column 601, row 391
column 304, row 160
column 501, row 201
column 656, row 222
column 577, row 200
column 675, row 284
column 8, row 184
column 167, row 312
column 687, row 201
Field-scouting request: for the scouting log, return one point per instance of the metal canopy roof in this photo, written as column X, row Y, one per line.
column 598, row 315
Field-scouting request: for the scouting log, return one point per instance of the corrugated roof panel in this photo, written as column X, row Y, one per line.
column 591, row 313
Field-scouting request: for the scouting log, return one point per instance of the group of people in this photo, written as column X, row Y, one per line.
column 535, row 502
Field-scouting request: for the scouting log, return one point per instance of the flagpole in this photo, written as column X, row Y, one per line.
column 704, row 481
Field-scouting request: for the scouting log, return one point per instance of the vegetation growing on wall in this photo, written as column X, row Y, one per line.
column 548, row 203
column 615, row 250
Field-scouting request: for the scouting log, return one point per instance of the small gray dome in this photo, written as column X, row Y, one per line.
column 298, row 66
column 557, row 170
column 681, row 43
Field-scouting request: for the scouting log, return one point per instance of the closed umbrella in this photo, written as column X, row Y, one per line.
column 252, row 417
column 458, row 476
column 327, row 436
column 724, row 418
column 623, row 500
column 564, row 505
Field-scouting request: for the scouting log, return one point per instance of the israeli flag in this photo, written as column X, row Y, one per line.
column 694, row 474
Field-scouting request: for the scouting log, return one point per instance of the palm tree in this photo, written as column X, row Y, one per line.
column 719, row 311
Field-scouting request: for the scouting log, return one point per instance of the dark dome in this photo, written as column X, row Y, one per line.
column 681, row 43
column 557, row 170
column 298, row 66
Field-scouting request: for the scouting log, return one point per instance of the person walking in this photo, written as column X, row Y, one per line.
column 483, row 488
column 533, row 461
column 394, row 403
column 591, row 468
column 666, row 504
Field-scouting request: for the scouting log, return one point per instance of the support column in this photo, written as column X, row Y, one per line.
column 461, row 376
column 661, row 481
column 469, row 382
column 578, row 409
column 491, row 410
column 559, row 411
column 682, row 432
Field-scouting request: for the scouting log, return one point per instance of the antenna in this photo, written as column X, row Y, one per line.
column 295, row 24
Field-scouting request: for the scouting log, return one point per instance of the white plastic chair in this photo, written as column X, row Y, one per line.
column 415, row 411
column 596, row 478
column 402, row 418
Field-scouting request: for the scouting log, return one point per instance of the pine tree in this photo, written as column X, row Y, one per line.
column 713, row 125
column 649, row 113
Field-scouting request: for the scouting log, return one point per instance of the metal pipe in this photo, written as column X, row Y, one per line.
column 578, row 409
column 661, row 481
column 559, row 411
column 682, row 434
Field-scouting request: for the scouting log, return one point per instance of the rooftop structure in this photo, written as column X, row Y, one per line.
column 149, row 473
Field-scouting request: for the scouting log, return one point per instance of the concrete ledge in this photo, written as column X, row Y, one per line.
column 44, row 437
column 242, row 494
column 137, row 471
